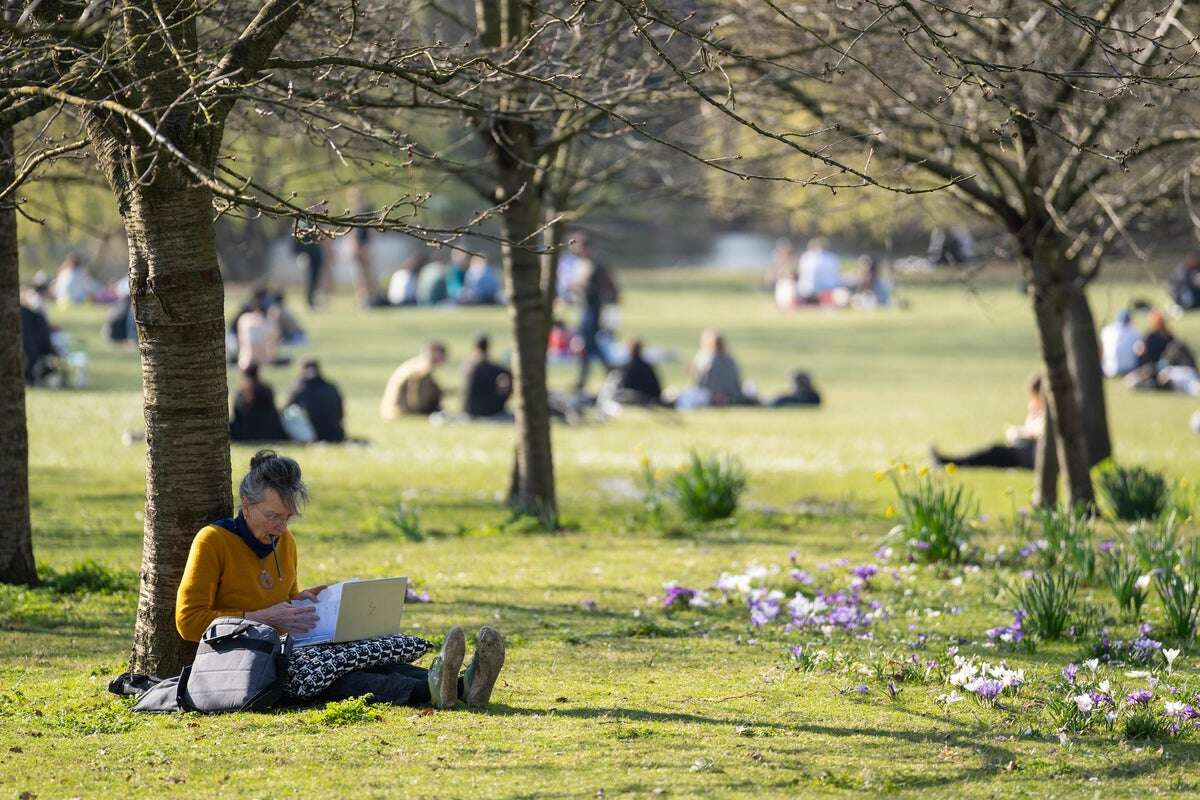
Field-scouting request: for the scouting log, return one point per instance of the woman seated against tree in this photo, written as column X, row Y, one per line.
column 247, row 567
column 1020, row 448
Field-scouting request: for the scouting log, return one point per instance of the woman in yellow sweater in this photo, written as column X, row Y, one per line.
column 246, row 566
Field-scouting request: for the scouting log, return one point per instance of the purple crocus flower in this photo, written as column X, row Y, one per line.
column 411, row 595
column 864, row 571
column 987, row 688
column 802, row 577
column 1107, row 546
column 674, row 593
column 1069, row 672
column 1139, row 698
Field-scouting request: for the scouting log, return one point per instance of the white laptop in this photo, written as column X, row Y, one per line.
column 353, row 610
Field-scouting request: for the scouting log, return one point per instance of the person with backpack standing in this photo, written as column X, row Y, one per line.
column 595, row 287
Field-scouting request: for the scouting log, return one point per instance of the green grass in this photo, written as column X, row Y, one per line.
column 619, row 699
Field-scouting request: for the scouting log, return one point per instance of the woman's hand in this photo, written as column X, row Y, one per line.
column 293, row 619
column 311, row 594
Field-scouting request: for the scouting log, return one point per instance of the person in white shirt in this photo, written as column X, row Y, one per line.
column 72, row 285
column 1117, row 341
column 257, row 337
column 820, row 271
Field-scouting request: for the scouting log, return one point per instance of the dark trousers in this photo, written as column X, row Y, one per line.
column 1019, row 456
column 316, row 265
column 589, row 328
column 397, row 684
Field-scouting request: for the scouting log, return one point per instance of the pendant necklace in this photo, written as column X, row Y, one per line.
column 264, row 578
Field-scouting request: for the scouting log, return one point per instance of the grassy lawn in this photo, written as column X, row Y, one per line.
column 605, row 693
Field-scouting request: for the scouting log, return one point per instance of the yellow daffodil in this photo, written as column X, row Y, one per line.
column 880, row 475
column 923, row 471
column 889, row 512
column 903, row 468
column 951, row 469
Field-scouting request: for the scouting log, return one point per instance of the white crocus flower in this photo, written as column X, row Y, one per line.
column 1092, row 664
column 1143, row 582
column 1173, row 708
column 1170, row 656
column 1104, row 686
column 1084, row 703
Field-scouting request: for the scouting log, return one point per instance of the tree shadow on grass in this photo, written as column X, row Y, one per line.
column 992, row 758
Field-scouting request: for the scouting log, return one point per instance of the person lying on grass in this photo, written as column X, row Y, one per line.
column 247, row 567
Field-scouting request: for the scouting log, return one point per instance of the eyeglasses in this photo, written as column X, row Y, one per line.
column 274, row 519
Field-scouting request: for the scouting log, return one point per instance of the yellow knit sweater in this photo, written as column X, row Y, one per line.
column 221, row 579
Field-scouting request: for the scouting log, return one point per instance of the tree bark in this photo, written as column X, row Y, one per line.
column 1045, row 489
column 553, row 241
column 16, row 539
column 178, row 302
column 1083, row 347
column 1050, row 300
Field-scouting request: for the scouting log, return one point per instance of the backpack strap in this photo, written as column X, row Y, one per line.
column 240, row 644
column 233, row 634
column 181, row 690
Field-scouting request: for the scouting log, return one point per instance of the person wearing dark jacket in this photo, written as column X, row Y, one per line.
column 37, row 345
column 486, row 385
column 255, row 418
column 803, row 393
column 321, row 401
column 638, row 383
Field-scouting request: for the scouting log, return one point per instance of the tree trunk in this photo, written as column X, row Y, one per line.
column 16, row 541
column 178, row 302
column 532, row 488
column 1045, row 489
column 1050, row 300
column 1083, row 346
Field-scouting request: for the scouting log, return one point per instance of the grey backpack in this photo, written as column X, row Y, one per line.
column 240, row 666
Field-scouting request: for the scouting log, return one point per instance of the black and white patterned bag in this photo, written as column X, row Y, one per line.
column 312, row 669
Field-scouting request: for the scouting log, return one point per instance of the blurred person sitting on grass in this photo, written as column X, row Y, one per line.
column 321, row 401
column 633, row 383
column 803, row 392
column 486, row 385
column 1020, row 448
column 412, row 388
column 255, row 417
column 717, row 380
column 248, row 567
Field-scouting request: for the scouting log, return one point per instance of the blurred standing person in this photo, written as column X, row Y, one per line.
column 311, row 244
column 595, row 288
column 321, row 401
column 365, row 287
column 412, row 388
